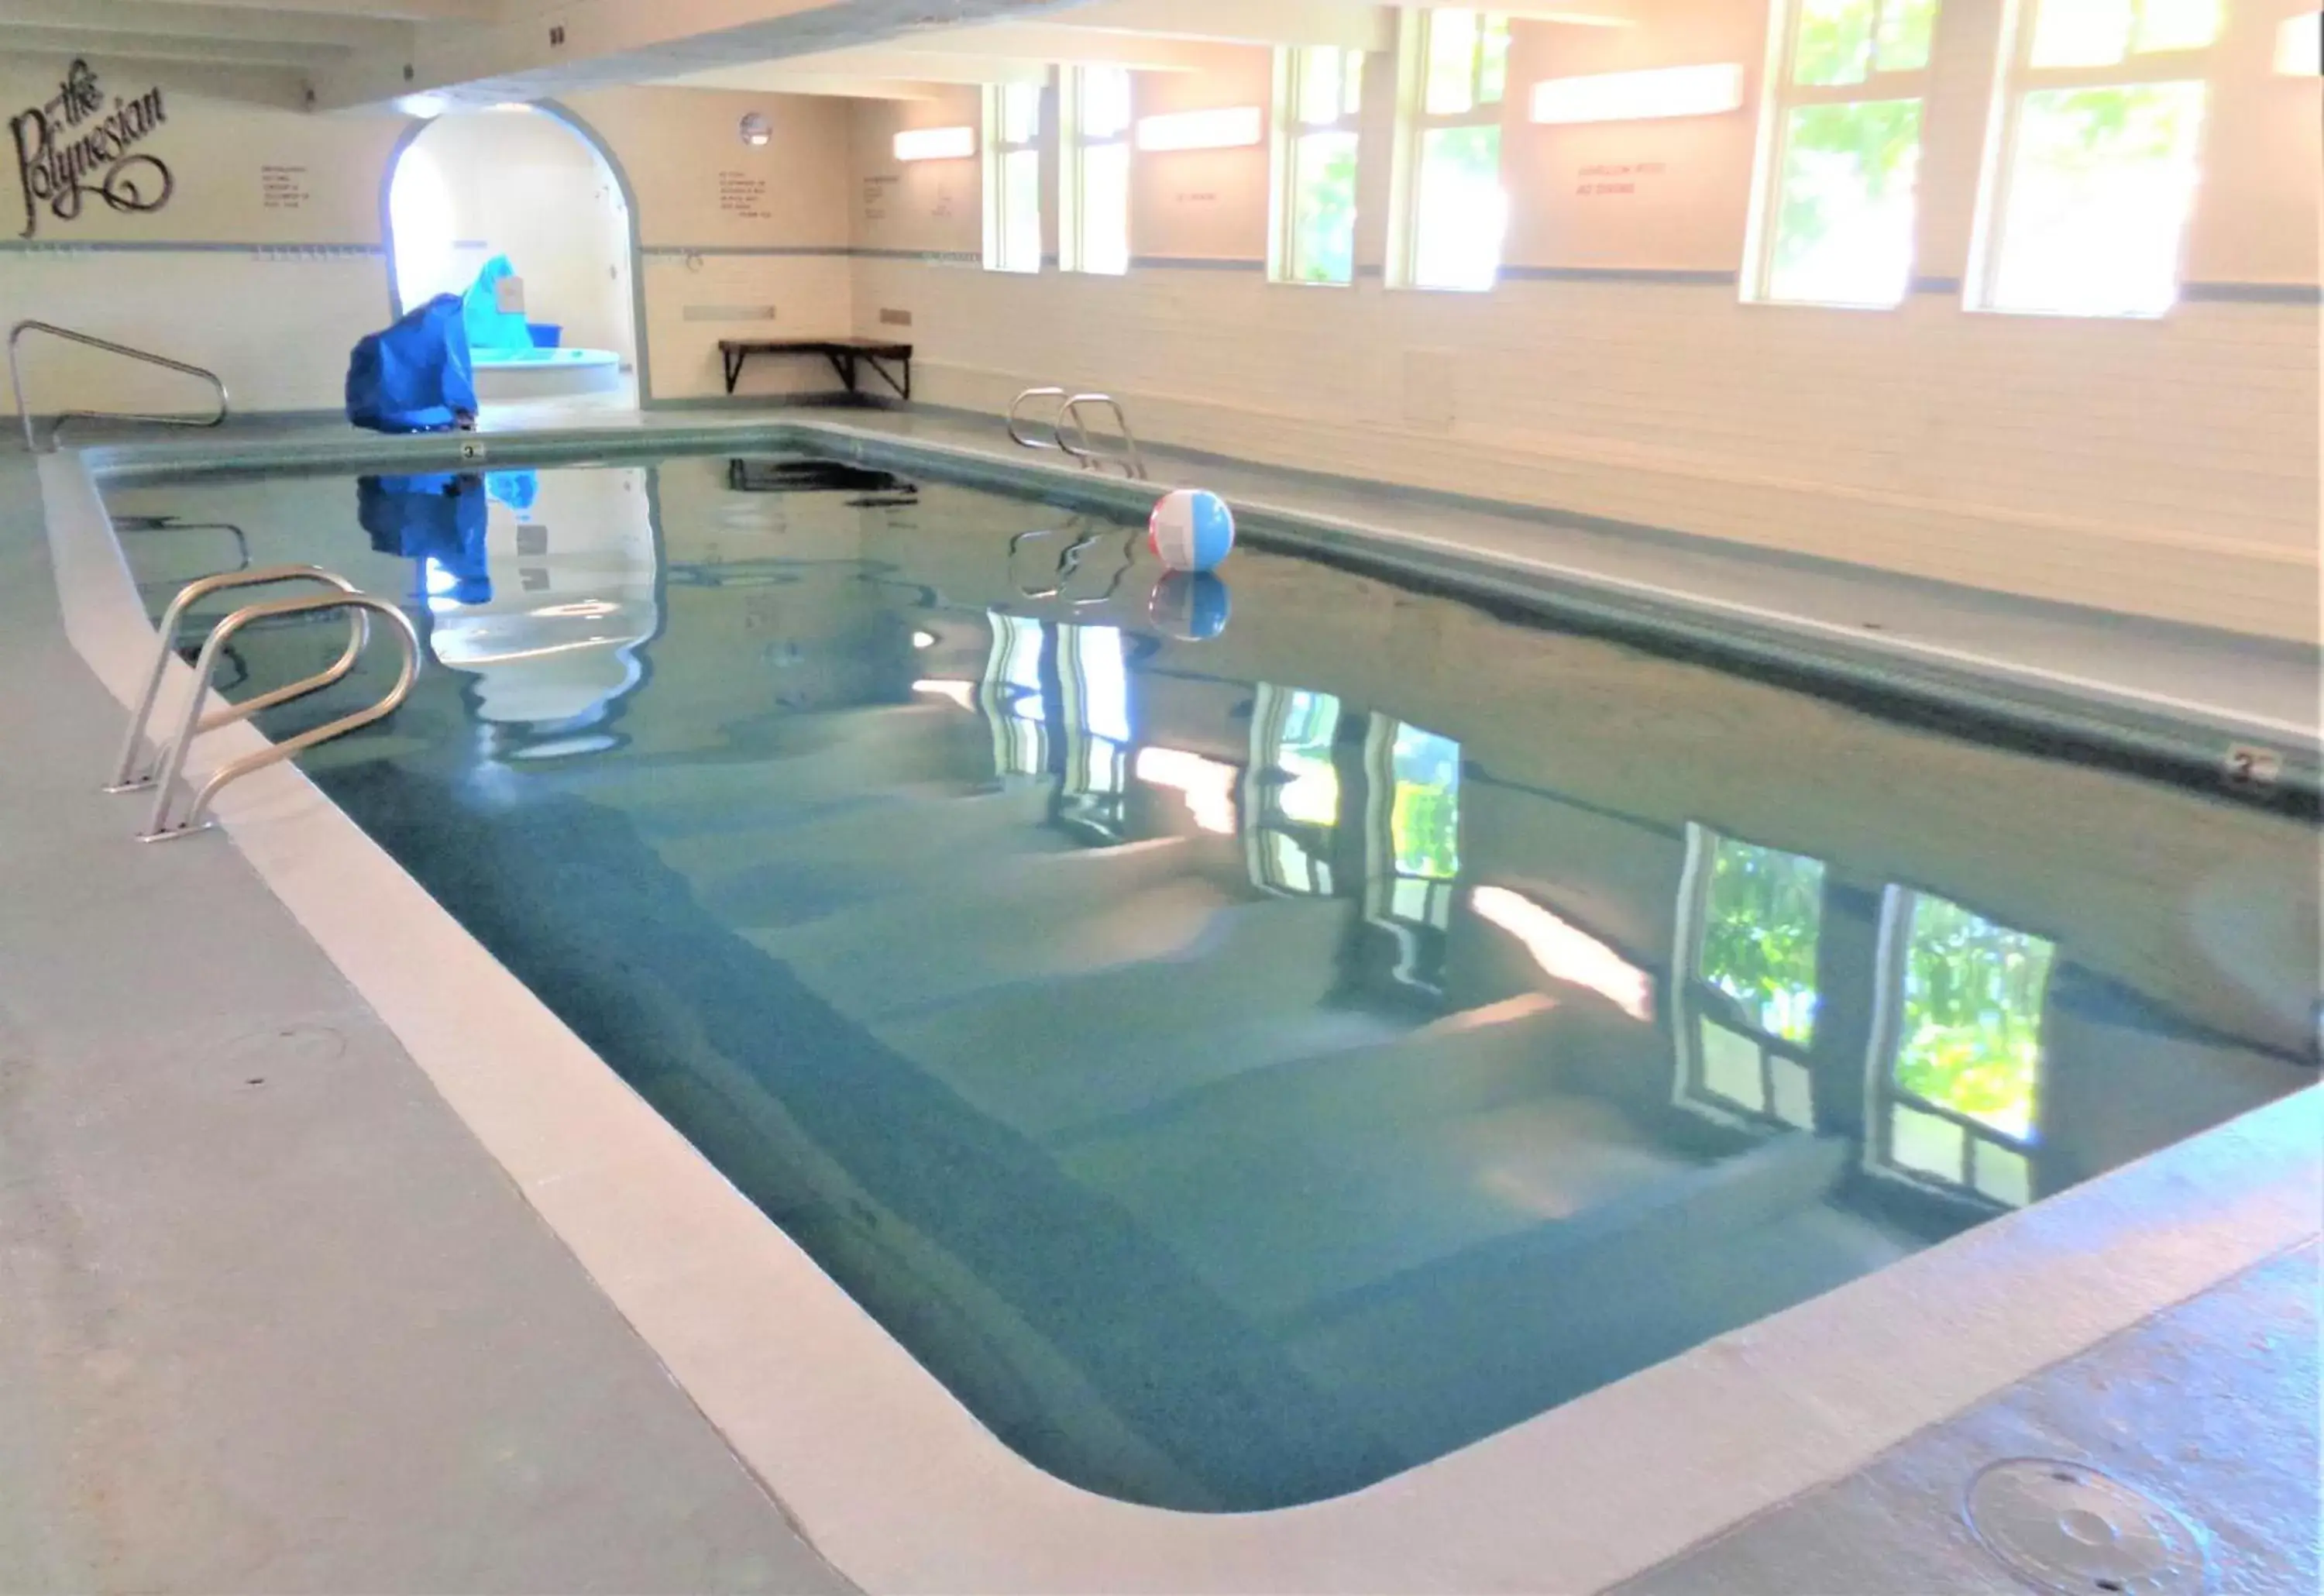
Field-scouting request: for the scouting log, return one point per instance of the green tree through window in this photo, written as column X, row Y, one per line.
column 1760, row 930
column 1972, row 1033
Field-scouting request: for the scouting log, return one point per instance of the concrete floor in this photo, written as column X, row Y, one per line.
column 271, row 1320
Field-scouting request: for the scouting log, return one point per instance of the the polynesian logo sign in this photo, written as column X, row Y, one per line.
column 73, row 147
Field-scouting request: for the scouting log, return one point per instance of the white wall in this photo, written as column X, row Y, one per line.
column 268, row 260
column 2164, row 467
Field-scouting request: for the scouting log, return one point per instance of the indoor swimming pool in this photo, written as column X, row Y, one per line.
column 1243, row 1066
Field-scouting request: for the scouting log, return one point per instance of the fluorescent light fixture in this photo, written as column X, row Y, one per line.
column 1223, row 128
column 1565, row 953
column 2300, row 46
column 935, row 144
column 1206, row 784
column 1638, row 97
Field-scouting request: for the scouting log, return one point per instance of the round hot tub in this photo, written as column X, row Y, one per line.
column 545, row 373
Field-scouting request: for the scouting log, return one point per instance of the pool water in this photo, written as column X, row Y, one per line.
column 1243, row 1068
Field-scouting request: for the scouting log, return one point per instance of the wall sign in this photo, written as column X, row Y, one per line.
column 72, row 147
column 742, row 194
column 283, row 188
column 1616, row 177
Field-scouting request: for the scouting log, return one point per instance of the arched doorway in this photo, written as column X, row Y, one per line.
column 532, row 185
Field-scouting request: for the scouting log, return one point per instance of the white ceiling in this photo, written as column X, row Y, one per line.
column 350, row 52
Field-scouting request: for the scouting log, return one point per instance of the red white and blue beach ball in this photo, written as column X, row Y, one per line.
column 1191, row 530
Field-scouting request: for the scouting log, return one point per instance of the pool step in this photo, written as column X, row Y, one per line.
column 838, row 754
column 1292, row 1185
column 1046, row 1051
column 1037, row 914
column 776, row 867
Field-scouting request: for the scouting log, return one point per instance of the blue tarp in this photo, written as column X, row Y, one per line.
column 489, row 326
column 414, row 377
column 436, row 517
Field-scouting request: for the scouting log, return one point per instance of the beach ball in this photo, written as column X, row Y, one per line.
column 1191, row 530
column 1190, row 606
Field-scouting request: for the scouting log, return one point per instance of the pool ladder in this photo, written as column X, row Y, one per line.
column 169, row 758
column 1088, row 452
column 89, row 340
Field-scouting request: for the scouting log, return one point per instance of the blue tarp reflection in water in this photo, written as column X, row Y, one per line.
column 436, row 517
column 415, row 376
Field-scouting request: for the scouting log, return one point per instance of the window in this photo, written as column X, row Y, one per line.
column 1842, row 153
column 1096, row 232
column 1958, row 1052
column 1013, row 177
column 1456, row 212
column 1319, row 91
column 2101, row 126
column 1294, row 789
column 1750, row 925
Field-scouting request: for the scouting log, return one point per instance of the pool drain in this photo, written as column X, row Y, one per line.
column 2066, row 1527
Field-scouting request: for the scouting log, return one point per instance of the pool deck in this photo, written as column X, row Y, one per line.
column 273, row 1318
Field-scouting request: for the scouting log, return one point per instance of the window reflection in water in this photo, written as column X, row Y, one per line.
column 1295, row 803
column 1750, row 925
column 1094, row 680
column 1957, row 1062
column 1412, row 842
column 1012, row 698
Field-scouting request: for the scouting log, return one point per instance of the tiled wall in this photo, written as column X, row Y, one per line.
column 2165, row 467
column 267, row 261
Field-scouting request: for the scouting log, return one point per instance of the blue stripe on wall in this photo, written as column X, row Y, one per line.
column 143, row 246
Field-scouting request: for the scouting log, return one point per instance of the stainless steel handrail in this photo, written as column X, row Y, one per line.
column 1018, row 403
column 1129, row 459
column 1084, row 451
column 1084, row 535
column 24, row 412
column 159, row 829
column 125, row 778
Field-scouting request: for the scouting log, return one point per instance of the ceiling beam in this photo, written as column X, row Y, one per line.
column 164, row 21
column 69, row 44
column 399, row 11
column 783, row 78
column 1239, row 22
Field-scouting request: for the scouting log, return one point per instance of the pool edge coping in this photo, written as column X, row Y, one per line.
column 900, row 1488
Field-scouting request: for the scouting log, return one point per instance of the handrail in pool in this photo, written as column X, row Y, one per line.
column 1068, row 413
column 160, row 828
column 1132, row 462
column 1018, row 403
column 24, row 411
column 125, row 776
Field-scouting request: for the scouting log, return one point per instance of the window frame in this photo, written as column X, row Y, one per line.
column 1073, row 145
column 998, row 188
column 1415, row 122
column 1780, row 95
column 1289, row 129
column 1693, row 999
column 2015, row 81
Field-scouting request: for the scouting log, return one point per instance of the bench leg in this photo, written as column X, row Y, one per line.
column 886, row 375
column 731, row 359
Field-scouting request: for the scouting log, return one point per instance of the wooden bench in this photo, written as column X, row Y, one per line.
column 844, row 355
